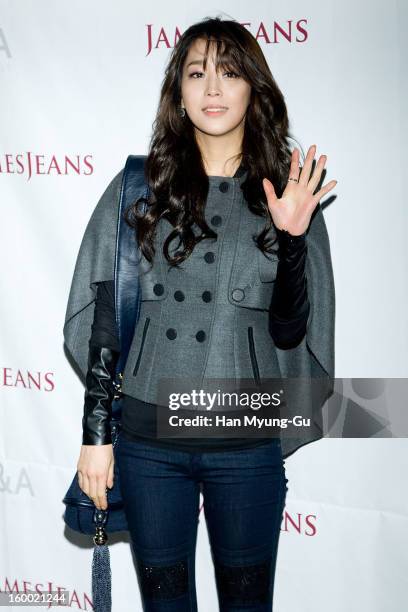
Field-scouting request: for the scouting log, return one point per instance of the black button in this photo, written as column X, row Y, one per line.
column 171, row 333
column 209, row 257
column 179, row 296
column 200, row 335
column 158, row 289
column 224, row 186
column 216, row 220
column 206, row 295
column 238, row 295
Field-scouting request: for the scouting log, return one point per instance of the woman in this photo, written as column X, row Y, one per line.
column 216, row 303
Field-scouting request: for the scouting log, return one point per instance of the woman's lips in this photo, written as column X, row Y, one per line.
column 212, row 112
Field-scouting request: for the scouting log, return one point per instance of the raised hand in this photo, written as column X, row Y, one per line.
column 293, row 211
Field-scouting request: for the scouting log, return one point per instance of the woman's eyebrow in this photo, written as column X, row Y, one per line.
column 195, row 62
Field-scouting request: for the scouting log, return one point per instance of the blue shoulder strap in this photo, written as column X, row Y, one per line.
column 127, row 285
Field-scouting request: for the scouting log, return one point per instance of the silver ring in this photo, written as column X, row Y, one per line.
column 293, row 179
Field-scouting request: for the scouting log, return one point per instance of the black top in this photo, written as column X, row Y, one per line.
column 288, row 317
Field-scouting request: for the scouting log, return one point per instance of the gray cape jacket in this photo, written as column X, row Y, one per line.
column 312, row 361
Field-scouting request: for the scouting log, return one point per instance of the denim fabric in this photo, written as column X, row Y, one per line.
column 244, row 494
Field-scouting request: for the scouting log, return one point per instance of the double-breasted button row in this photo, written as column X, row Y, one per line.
column 171, row 334
column 180, row 297
column 209, row 257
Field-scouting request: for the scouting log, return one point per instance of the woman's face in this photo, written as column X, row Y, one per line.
column 199, row 89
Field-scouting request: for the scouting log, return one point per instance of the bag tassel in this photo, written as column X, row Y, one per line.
column 101, row 571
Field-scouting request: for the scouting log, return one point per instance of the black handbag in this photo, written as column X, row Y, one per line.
column 80, row 512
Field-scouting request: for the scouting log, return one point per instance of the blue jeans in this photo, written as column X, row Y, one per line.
column 244, row 494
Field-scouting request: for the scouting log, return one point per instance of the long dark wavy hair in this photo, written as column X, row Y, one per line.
column 174, row 168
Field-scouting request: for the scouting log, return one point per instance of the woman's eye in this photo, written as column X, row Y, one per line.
column 234, row 74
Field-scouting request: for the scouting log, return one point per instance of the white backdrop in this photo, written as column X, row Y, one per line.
column 79, row 87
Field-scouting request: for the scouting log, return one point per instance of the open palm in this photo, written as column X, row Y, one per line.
column 294, row 209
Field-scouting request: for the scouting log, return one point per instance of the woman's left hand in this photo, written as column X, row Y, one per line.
column 294, row 209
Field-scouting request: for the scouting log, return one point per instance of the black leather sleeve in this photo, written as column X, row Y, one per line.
column 102, row 359
column 99, row 393
column 290, row 306
column 104, row 330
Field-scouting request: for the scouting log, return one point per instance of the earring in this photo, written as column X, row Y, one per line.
column 182, row 111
